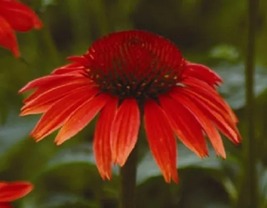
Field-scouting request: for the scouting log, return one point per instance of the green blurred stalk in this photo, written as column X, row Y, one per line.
column 128, row 181
column 102, row 18
column 51, row 48
column 248, row 196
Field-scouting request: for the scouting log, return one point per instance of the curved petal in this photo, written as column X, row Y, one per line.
column 40, row 103
column 227, row 127
column 72, row 68
column 60, row 111
column 185, row 125
column 48, row 82
column 124, row 131
column 79, row 60
column 44, row 87
column 101, row 144
column 202, row 73
column 19, row 16
column 221, row 117
column 7, row 37
column 14, row 190
column 161, row 140
column 81, row 117
column 205, row 90
column 203, row 120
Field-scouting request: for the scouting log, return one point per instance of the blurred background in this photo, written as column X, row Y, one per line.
column 210, row 32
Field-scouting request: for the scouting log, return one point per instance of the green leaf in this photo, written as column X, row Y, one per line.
column 61, row 200
column 13, row 131
column 225, row 52
column 80, row 153
column 46, row 3
column 233, row 87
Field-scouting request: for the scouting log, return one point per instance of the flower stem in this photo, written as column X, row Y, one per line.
column 128, row 181
column 249, row 188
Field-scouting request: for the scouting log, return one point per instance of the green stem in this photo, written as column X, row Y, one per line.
column 128, row 181
column 249, row 188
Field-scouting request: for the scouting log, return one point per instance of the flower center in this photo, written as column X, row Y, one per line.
column 134, row 64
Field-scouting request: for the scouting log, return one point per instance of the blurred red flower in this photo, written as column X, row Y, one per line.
column 10, row 191
column 15, row 16
column 127, row 76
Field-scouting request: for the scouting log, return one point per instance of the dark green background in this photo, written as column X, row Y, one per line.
column 211, row 32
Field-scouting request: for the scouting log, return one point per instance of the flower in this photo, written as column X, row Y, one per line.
column 10, row 191
column 126, row 77
column 15, row 16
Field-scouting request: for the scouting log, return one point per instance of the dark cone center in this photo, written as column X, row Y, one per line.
column 134, row 64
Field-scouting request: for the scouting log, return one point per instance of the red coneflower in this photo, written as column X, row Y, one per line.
column 15, row 16
column 126, row 76
column 10, row 191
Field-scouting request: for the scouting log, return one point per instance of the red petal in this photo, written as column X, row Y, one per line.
column 80, row 60
column 49, row 81
column 124, row 131
column 185, row 125
column 203, row 73
column 7, row 37
column 220, row 116
column 227, row 127
column 15, row 190
column 203, row 120
column 60, row 111
column 206, row 91
column 102, row 150
column 38, row 104
column 73, row 68
column 81, row 117
column 161, row 140
column 19, row 16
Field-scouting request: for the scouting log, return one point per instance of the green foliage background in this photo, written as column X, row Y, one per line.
column 212, row 32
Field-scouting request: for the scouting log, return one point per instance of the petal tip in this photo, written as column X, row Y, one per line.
column 36, row 136
column 106, row 176
column 58, row 142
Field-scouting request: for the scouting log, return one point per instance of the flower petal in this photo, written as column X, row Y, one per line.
column 14, row 190
column 60, row 111
column 19, row 16
column 7, row 37
column 161, row 140
column 101, row 144
column 42, row 101
column 185, row 125
column 207, row 91
column 216, row 110
column 203, row 120
column 79, row 60
column 72, row 68
column 227, row 127
column 202, row 73
column 124, row 131
column 48, row 82
column 81, row 117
